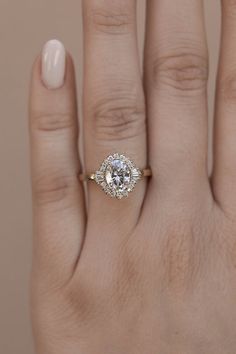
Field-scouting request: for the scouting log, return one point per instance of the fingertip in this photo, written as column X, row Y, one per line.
column 48, row 91
column 53, row 69
column 53, row 64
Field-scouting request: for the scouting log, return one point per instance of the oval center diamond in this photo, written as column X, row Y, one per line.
column 118, row 175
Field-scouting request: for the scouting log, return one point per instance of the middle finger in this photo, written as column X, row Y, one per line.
column 176, row 77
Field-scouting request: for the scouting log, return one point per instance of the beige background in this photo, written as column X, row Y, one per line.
column 24, row 26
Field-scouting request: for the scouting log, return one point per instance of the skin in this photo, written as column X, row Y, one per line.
column 153, row 273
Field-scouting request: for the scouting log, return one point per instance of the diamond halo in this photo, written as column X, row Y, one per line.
column 117, row 176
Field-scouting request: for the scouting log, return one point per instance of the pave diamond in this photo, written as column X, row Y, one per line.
column 117, row 175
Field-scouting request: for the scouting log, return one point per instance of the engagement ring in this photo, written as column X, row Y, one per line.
column 117, row 175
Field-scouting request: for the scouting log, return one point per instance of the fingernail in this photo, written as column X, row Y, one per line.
column 53, row 64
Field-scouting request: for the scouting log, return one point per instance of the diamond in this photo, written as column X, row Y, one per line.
column 135, row 172
column 99, row 177
column 117, row 175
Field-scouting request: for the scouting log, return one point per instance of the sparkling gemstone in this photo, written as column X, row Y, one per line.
column 136, row 173
column 118, row 175
column 99, row 177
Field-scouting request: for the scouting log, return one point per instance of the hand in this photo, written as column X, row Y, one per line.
column 154, row 272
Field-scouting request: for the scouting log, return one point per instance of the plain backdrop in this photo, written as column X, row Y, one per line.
column 24, row 27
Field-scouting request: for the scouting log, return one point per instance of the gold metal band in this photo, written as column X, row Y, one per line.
column 146, row 172
column 86, row 177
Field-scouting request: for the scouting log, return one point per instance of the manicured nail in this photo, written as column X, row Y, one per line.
column 53, row 64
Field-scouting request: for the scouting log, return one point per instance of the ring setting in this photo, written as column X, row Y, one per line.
column 117, row 175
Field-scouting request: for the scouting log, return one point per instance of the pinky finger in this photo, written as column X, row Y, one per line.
column 58, row 199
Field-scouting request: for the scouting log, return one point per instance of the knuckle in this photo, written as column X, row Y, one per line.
column 119, row 118
column 53, row 187
column 227, row 88
column 129, row 276
column 230, row 7
column 111, row 22
column 224, row 229
column 184, row 72
column 85, row 299
column 180, row 257
column 230, row 3
column 47, row 122
column 109, row 294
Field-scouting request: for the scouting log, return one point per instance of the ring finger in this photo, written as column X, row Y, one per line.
column 176, row 77
column 113, row 103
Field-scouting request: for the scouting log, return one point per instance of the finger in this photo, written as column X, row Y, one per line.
column 57, row 195
column 176, row 77
column 113, row 102
column 224, row 172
